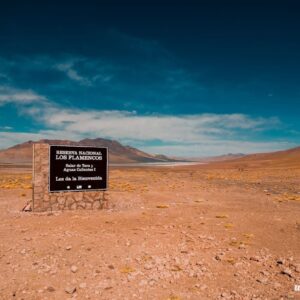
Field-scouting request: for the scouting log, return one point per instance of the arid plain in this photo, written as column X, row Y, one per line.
column 227, row 230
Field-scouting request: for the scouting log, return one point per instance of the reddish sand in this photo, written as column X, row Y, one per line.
column 170, row 233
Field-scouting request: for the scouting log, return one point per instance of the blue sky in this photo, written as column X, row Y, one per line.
column 172, row 78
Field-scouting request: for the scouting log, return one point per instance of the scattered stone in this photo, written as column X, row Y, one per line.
column 263, row 280
column 147, row 266
column 277, row 285
column 201, row 287
column 74, row 269
column 27, row 207
column 82, row 285
column 70, row 289
column 50, row 289
column 23, row 251
column 225, row 295
column 143, row 282
column 255, row 258
column 297, row 268
column 280, row 261
column 242, row 246
column 265, row 273
column 218, row 257
column 287, row 272
column 151, row 282
column 68, row 247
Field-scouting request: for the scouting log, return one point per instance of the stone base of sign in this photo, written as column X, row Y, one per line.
column 43, row 200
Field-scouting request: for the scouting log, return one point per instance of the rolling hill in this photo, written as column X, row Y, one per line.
column 118, row 153
column 207, row 159
column 285, row 158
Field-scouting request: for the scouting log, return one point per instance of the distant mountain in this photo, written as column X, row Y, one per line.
column 118, row 153
column 207, row 159
column 285, row 158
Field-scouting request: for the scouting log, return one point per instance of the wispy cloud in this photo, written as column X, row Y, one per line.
column 12, row 95
column 57, row 70
column 148, row 80
column 69, row 70
column 198, row 134
column 8, row 138
column 167, row 128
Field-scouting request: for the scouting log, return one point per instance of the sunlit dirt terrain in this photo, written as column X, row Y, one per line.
column 196, row 232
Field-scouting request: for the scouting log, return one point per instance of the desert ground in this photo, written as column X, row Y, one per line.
column 170, row 233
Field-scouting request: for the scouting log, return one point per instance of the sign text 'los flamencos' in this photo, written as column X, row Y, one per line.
column 78, row 155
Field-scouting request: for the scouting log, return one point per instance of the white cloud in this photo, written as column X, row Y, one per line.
column 69, row 70
column 12, row 95
column 8, row 139
column 128, row 125
column 12, row 138
column 190, row 135
column 98, row 70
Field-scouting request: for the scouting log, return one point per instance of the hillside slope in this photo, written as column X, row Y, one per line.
column 118, row 153
column 286, row 158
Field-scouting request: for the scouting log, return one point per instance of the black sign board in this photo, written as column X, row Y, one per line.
column 75, row 168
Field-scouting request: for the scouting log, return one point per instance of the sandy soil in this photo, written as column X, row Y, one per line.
column 170, row 233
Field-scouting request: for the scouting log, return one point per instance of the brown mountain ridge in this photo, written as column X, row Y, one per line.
column 118, row 153
column 285, row 158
